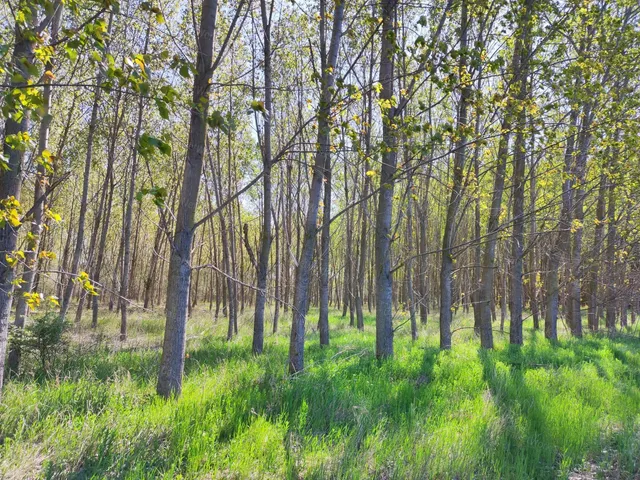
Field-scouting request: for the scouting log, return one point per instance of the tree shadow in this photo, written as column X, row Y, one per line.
column 351, row 393
column 526, row 447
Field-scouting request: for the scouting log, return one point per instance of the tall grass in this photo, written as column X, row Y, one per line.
column 540, row 411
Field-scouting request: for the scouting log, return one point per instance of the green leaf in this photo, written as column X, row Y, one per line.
column 184, row 70
column 162, row 108
column 95, row 56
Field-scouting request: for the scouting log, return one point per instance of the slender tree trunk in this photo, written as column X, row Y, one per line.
column 126, row 263
column 612, row 233
column 349, row 267
column 114, row 276
column 575, row 292
column 448, row 240
column 278, row 267
column 323, row 322
column 409, row 264
column 231, row 311
column 558, row 250
column 153, row 265
column 10, row 186
column 533, row 275
column 384, row 279
column 288, row 238
column 40, row 200
column 487, row 293
column 265, row 235
column 519, row 160
column 348, row 259
column 303, row 277
column 362, row 260
column 423, row 273
column 82, row 214
column 594, row 270
column 173, row 349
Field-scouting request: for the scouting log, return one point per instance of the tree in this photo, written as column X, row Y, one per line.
column 179, row 277
column 329, row 63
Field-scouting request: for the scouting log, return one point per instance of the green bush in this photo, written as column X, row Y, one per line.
column 43, row 339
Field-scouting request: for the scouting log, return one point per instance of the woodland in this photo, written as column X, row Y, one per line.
column 320, row 239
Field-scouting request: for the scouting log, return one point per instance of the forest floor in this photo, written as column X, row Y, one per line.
column 566, row 411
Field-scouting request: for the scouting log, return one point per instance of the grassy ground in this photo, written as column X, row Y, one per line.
column 571, row 410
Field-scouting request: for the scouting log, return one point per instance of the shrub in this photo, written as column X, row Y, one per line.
column 44, row 338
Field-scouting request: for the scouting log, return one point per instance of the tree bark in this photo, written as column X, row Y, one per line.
column 384, row 279
column 265, row 235
column 10, row 186
column 448, row 240
column 174, row 344
column 559, row 248
column 594, row 303
column 40, row 202
column 303, row 277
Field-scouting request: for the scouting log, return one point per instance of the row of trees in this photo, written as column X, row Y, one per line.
column 397, row 157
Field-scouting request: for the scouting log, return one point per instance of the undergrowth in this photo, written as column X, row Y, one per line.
column 540, row 411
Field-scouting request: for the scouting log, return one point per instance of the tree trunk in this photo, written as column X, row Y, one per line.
column 82, row 214
column 521, row 76
column 303, row 277
column 10, row 186
column 594, row 270
column 612, row 233
column 559, row 249
column 448, row 240
column 126, row 262
column 173, row 349
column 362, row 260
column 39, row 200
column 410, row 300
column 533, row 275
column 384, row 279
column 265, row 235
column 486, row 293
column 153, row 265
column 575, row 293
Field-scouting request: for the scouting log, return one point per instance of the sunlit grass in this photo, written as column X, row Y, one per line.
column 541, row 411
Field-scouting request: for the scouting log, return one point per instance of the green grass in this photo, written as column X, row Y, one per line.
column 542, row 411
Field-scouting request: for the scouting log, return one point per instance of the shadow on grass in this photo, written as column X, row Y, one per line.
column 345, row 395
column 551, row 419
column 344, row 391
column 524, row 447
